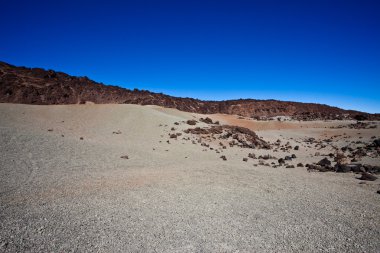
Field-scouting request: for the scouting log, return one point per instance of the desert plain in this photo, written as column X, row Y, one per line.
column 130, row 178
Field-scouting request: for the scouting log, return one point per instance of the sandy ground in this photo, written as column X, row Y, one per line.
column 59, row 193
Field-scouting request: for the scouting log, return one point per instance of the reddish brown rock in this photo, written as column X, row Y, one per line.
column 206, row 120
column 38, row 86
column 237, row 136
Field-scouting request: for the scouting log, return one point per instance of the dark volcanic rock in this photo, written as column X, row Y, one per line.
column 318, row 168
column 191, row 122
column 207, row 120
column 367, row 176
column 371, row 169
column 357, row 168
column 266, row 157
column 324, row 162
column 38, row 86
column 344, row 168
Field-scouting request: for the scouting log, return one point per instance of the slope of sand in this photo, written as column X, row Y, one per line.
column 59, row 193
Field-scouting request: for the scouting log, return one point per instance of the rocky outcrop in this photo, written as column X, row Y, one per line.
column 235, row 135
column 39, row 86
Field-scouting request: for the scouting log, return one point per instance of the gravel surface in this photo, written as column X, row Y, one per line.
column 59, row 193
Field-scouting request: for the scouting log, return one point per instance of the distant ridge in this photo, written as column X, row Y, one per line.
column 47, row 87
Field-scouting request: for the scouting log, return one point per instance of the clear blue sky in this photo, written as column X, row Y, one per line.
column 324, row 51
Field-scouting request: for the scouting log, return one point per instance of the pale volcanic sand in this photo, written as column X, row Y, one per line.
column 60, row 194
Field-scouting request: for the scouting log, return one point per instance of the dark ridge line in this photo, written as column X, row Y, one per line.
column 39, row 86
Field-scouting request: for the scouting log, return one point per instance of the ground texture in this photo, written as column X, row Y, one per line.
column 64, row 186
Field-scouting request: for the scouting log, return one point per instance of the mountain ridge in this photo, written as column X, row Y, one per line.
column 45, row 87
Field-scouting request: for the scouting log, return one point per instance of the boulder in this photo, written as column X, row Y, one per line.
column 376, row 143
column 207, row 120
column 367, row 176
column 344, row 168
column 318, row 168
column 372, row 169
column 324, row 162
column 191, row 122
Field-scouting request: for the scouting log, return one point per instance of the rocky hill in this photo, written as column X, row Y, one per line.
column 39, row 86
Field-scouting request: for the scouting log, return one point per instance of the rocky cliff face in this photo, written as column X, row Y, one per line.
column 46, row 87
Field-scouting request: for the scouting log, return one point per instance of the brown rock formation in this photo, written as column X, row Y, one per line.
column 39, row 86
